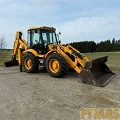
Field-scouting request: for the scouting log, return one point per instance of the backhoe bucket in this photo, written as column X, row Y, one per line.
column 11, row 63
column 97, row 72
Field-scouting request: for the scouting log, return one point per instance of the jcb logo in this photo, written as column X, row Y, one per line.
column 100, row 114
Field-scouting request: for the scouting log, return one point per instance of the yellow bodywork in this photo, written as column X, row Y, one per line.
column 20, row 47
column 41, row 27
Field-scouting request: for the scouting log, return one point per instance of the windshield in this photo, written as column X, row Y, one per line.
column 33, row 37
column 41, row 36
column 49, row 36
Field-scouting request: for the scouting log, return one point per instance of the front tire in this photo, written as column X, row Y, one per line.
column 30, row 63
column 56, row 65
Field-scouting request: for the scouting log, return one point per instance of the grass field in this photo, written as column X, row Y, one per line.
column 113, row 58
column 6, row 55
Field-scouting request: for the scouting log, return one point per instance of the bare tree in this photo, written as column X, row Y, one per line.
column 3, row 45
column 2, row 42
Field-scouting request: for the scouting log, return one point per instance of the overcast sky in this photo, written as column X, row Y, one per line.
column 77, row 20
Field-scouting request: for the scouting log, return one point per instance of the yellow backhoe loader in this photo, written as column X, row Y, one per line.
column 43, row 48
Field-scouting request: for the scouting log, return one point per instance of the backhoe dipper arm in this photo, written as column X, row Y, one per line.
column 18, row 43
column 19, row 46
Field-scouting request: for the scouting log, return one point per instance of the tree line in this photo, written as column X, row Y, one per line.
column 104, row 46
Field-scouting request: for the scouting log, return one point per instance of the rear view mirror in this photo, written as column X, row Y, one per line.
column 59, row 33
column 59, row 42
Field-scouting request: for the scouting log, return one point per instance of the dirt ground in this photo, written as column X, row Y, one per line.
column 38, row 96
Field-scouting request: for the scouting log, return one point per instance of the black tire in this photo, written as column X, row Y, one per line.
column 33, row 68
column 62, row 69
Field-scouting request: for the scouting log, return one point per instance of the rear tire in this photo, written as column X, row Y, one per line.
column 30, row 63
column 56, row 65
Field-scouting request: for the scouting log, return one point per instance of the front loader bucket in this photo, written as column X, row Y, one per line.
column 11, row 63
column 97, row 72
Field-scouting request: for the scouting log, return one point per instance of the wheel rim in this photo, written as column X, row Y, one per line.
column 28, row 63
column 54, row 65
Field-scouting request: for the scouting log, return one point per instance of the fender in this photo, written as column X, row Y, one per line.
column 50, row 52
column 31, row 51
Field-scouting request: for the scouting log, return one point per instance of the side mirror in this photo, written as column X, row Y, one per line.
column 59, row 33
column 59, row 42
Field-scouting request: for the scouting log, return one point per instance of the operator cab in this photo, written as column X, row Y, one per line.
column 39, row 38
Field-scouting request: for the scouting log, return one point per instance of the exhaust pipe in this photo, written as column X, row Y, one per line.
column 97, row 73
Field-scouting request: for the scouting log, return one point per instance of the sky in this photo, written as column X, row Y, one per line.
column 77, row 20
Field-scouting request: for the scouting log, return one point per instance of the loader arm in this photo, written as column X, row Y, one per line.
column 74, row 58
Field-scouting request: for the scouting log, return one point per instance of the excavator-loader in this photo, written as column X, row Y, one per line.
column 43, row 48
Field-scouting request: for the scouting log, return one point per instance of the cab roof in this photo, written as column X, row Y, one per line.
column 41, row 27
